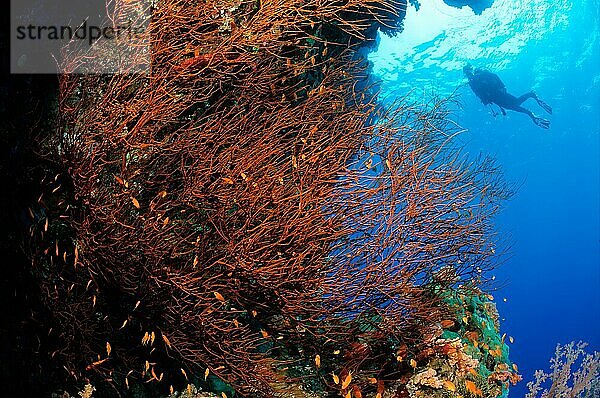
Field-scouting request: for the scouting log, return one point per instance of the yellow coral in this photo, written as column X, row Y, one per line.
column 87, row 391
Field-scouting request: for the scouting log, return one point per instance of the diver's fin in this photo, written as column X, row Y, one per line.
column 543, row 123
column 544, row 105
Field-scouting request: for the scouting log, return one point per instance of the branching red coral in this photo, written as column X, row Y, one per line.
column 247, row 205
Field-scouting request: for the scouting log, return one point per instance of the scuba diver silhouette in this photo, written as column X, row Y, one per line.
column 490, row 89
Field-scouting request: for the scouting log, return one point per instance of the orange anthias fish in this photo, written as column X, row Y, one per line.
column 448, row 385
column 472, row 388
column 447, row 323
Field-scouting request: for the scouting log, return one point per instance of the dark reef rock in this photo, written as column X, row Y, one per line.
column 476, row 5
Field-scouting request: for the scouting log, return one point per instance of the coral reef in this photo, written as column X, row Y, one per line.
column 469, row 357
column 247, row 218
column 192, row 391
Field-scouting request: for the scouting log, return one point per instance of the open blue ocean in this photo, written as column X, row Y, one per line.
column 552, row 272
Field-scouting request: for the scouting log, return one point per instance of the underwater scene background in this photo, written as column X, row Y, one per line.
column 266, row 214
column 552, row 273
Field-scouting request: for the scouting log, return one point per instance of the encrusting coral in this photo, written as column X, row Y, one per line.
column 469, row 358
column 426, row 378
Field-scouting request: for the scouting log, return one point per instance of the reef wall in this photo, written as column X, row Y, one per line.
column 248, row 219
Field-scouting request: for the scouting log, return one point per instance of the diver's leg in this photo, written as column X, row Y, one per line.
column 543, row 123
column 523, row 110
column 506, row 100
column 511, row 102
column 525, row 97
column 533, row 95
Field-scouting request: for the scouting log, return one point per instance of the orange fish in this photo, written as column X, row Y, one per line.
column 166, row 340
column 449, row 385
column 447, row 323
column 472, row 388
column 347, row 381
column 218, row 295
column 335, row 378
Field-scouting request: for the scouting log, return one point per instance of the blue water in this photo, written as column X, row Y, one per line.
column 553, row 221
